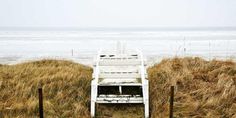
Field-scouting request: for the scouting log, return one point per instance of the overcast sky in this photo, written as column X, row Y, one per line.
column 117, row 13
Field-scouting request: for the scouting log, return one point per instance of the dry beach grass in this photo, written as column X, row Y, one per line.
column 66, row 88
column 203, row 89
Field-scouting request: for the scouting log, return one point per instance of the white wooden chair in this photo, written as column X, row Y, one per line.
column 119, row 77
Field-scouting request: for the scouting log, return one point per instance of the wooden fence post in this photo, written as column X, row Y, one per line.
column 40, row 102
column 72, row 52
column 171, row 101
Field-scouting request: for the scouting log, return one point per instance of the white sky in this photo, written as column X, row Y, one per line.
column 117, row 13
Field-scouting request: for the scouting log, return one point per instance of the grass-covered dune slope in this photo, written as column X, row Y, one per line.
column 203, row 89
column 66, row 88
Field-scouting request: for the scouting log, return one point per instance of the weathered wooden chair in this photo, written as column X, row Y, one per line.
column 119, row 76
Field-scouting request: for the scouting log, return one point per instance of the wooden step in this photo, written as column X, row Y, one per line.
column 132, row 62
column 119, row 75
column 119, row 81
column 120, row 84
column 119, row 99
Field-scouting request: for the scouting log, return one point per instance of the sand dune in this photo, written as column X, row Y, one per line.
column 203, row 89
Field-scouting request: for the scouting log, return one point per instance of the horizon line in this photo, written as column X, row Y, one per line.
column 226, row 28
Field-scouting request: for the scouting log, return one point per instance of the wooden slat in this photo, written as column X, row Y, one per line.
column 119, row 62
column 120, row 100
column 120, row 84
column 119, row 81
column 116, row 75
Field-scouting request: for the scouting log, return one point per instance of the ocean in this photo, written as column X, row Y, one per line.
column 82, row 46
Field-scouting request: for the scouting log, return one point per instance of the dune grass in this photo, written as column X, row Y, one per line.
column 203, row 89
column 66, row 88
